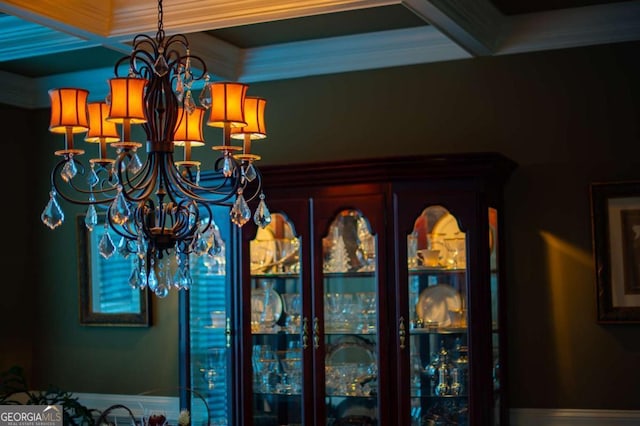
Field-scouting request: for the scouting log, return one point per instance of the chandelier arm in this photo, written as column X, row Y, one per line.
column 143, row 181
column 123, row 230
column 258, row 186
column 192, row 190
column 58, row 184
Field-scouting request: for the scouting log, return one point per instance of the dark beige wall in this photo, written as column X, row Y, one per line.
column 567, row 117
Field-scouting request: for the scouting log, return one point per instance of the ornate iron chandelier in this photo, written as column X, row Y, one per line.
column 159, row 208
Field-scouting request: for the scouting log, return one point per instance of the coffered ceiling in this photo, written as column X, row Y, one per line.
column 54, row 43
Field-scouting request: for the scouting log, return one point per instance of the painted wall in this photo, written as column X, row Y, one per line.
column 567, row 117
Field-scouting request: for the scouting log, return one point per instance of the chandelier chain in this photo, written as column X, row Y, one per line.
column 160, row 19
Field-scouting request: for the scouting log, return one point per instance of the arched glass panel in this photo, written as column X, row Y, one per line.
column 350, row 321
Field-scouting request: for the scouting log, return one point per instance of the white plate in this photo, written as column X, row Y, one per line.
column 273, row 307
column 436, row 303
column 443, row 234
column 262, row 250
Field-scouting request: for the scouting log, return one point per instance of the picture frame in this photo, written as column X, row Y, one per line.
column 106, row 298
column 615, row 218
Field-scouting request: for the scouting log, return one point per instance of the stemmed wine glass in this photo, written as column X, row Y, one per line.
column 215, row 363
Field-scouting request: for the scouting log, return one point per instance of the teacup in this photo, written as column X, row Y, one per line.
column 430, row 257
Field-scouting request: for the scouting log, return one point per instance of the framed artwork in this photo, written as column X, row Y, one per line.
column 106, row 298
column 615, row 218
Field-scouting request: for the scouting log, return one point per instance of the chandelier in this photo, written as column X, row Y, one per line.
column 158, row 208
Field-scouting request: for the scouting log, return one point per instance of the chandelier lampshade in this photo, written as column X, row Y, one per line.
column 189, row 127
column 68, row 110
column 127, row 100
column 100, row 128
column 227, row 108
column 254, row 115
column 157, row 208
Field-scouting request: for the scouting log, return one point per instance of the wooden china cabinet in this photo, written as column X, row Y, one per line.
column 374, row 297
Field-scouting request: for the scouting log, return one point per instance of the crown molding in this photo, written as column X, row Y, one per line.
column 23, row 39
column 349, row 53
column 590, row 25
column 188, row 16
column 83, row 19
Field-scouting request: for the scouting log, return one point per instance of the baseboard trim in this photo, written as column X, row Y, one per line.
column 572, row 417
column 143, row 405
column 140, row 405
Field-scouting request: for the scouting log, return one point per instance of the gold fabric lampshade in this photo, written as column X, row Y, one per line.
column 68, row 110
column 189, row 127
column 227, row 107
column 99, row 127
column 127, row 100
column 254, row 116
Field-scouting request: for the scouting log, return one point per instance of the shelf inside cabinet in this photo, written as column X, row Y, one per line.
column 439, row 330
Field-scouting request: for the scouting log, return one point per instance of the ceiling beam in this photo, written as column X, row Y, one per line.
column 475, row 25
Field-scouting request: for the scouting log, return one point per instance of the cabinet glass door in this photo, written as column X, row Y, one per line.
column 210, row 372
column 437, row 288
column 495, row 299
column 276, row 317
column 350, row 321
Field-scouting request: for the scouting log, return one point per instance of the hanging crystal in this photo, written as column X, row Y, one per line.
column 205, row 94
column 91, row 218
column 135, row 164
column 182, row 279
column 227, row 165
column 113, row 175
column 92, row 179
column 250, row 172
column 200, row 245
column 119, row 209
column 189, row 104
column 162, row 291
column 52, row 215
column 240, row 212
column 69, row 170
column 134, row 278
column 262, row 216
column 124, row 249
column 160, row 67
column 198, row 174
column 188, row 75
column 106, row 246
column 179, row 86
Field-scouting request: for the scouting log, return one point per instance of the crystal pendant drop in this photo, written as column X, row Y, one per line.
column 91, row 218
column 162, row 291
column 152, row 282
column 135, row 164
column 123, row 248
column 119, row 209
column 134, row 278
column 106, row 246
column 161, row 67
column 52, row 215
column 179, row 87
column 197, row 175
column 262, row 216
column 200, row 245
column 205, row 95
column 189, row 104
column 92, row 179
column 143, row 278
column 250, row 172
column 240, row 212
column 69, row 170
column 227, row 166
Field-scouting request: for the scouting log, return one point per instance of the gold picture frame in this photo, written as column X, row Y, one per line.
column 106, row 298
column 615, row 218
